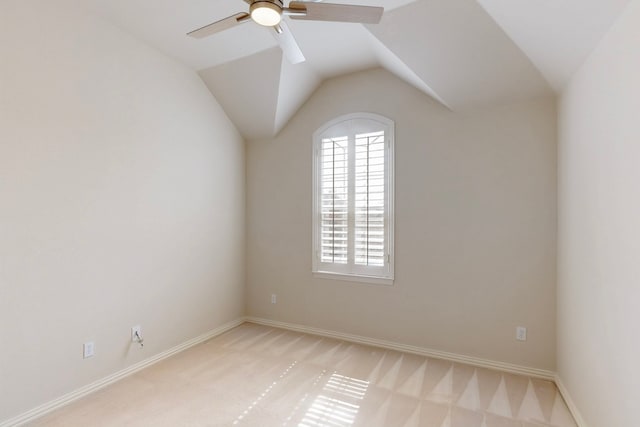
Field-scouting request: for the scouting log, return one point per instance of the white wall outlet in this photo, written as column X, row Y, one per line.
column 88, row 349
column 521, row 333
column 274, row 298
column 136, row 333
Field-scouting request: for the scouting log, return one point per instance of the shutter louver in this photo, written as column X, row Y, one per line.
column 334, row 209
column 369, row 199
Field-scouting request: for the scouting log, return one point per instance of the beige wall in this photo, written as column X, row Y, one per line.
column 121, row 203
column 599, row 230
column 475, row 226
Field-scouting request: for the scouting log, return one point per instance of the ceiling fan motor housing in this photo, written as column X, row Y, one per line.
column 266, row 12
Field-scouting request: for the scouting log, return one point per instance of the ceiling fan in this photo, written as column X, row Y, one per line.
column 269, row 13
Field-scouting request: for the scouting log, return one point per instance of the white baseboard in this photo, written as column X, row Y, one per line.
column 484, row 363
column 101, row 383
column 577, row 416
column 470, row 360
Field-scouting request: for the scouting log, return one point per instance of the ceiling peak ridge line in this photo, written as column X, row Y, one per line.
column 466, row 58
column 566, row 42
column 300, row 82
column 391, row 62
column 227, row 82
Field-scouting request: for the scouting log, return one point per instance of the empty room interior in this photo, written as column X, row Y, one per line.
column 324, row 213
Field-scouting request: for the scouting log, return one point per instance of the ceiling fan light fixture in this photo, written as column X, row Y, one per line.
column 267, row 13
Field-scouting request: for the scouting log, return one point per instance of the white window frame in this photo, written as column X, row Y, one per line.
column 339, row 127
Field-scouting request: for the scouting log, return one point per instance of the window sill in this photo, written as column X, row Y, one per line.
column 353, row 278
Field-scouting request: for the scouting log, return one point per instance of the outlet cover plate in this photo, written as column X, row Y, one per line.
column 88, row 349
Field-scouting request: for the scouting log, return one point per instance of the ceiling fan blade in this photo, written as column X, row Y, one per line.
column 334, row 12
column 288, row 43
column 220, row 25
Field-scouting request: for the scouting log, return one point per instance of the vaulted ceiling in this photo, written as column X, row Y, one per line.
column 464, row 53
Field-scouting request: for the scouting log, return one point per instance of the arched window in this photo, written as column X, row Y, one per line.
column 353, row 199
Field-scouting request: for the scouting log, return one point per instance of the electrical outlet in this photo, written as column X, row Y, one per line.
column 521, row 333
column 88, row 349
column 135, row 332
column 274, row 298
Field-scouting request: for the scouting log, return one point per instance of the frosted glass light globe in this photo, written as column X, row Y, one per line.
column 266, row 13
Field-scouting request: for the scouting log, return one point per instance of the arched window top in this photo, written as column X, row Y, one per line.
column 353, row 123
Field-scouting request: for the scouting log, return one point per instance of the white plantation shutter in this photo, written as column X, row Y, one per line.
column 353, row 200
column 369, row 199
column 334, row 208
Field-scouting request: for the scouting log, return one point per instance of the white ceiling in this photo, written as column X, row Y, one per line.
column 557, row 35
column 464, row 53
